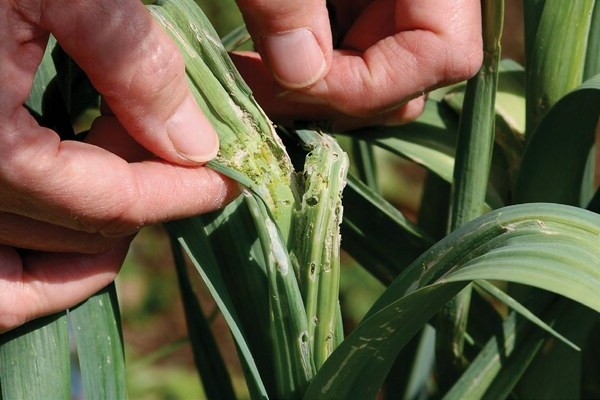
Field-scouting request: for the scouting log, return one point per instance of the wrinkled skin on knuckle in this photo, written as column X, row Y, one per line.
column 13, row 294
column 163, row 63
column 124, row 219
column 464, row 52
column 10, row 320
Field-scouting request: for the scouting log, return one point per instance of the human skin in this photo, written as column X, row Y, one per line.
column 68, row 210
column 389, row 54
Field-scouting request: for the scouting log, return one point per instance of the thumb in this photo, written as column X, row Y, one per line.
column 139, row 71
column 293, row 38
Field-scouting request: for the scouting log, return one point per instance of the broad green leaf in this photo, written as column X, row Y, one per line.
column 96, row 325
column 532, row 10
column 360, row 364
column 555, row 157
column 557, row 55
column 592, row 58
column 549, row 246
column 35, row 361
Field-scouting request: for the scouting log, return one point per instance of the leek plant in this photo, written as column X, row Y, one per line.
column 494, row 292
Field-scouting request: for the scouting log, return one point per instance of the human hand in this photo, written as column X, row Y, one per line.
column 391, row 53
column 77, row 205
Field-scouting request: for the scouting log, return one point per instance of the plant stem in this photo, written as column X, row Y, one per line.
column 471, row 171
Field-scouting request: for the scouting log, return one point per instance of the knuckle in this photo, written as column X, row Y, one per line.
column 124, row 219
column 11, row 314
column 161, row 67
column 156, row 76
column 10, row 320
column 465, row 56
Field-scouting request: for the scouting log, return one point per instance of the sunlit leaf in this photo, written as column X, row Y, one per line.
column 549, row 246
column 35, row 361
column 96, row 325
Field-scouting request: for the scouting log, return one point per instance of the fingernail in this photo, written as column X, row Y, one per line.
column 191, row 133
column 295, row 57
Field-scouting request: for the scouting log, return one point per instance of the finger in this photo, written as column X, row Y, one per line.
column 44, row 283
column 83, row 187
column 134, row 64
column 284, row 109
column 108, row 133
column 294, row 38
column 404, row 114
column 428, row 50
column 361, row 33
column 26, row 233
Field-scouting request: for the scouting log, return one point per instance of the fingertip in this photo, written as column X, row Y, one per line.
column 295, row 57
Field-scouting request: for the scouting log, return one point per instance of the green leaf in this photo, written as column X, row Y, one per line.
column 555, row 157
column 557, row 56
column 235, row 38
column 429, row 141
column 96, row 325
column 592, row 58
column 509, row 105
column 364, row 159
column 475, row 143
column 209, row 362
column 316, row 242
column 34, row 360
column 523, row 311
column 556, row 371
column 191, row 235
column 43, row 76
column 506, row 354
column 532, row 10
column 289, row 326
column 248, row 142
column 369, row 222
column 549, row 246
